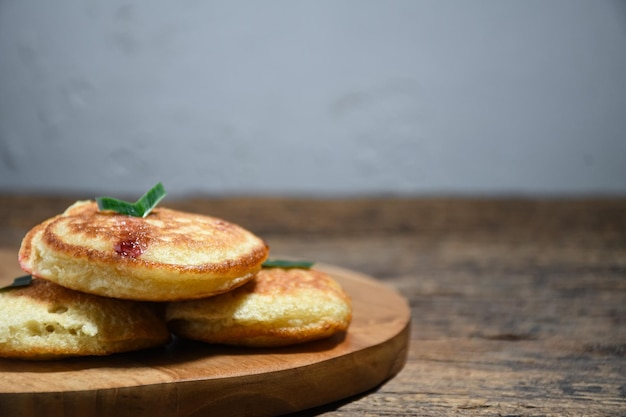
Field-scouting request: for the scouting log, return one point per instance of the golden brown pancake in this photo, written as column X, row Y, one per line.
column 168, row 255
column 280, row 307
column 47, row 321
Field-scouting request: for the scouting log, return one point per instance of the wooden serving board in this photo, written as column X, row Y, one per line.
column 195, row 379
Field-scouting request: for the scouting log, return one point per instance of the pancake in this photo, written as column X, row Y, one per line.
column 46, row 321
column 280, row 307
column 168, row 255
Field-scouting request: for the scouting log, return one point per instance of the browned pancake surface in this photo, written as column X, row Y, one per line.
column 167, row 247
column 280, row 307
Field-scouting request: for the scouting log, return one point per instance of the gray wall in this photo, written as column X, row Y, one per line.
column 313, row 97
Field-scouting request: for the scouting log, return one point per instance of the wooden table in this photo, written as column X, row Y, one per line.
column 518, row 305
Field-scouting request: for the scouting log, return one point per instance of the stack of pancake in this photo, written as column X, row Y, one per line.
column 105, row 282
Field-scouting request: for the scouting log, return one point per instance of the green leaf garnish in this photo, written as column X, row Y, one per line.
column 141, row 208
column 279, row 263
column 19, row 282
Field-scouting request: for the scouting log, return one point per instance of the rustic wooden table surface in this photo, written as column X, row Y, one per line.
column 518, row 305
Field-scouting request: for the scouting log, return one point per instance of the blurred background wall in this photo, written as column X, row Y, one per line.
column 313, row 97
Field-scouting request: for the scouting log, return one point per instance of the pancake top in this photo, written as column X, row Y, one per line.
column 292, row 281
column 275, row 294
column 166, row 238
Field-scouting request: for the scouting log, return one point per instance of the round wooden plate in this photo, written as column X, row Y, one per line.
column 194, row 379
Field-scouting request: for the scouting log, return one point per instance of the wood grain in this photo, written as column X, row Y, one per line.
column 518, row 305
column 194, row 379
